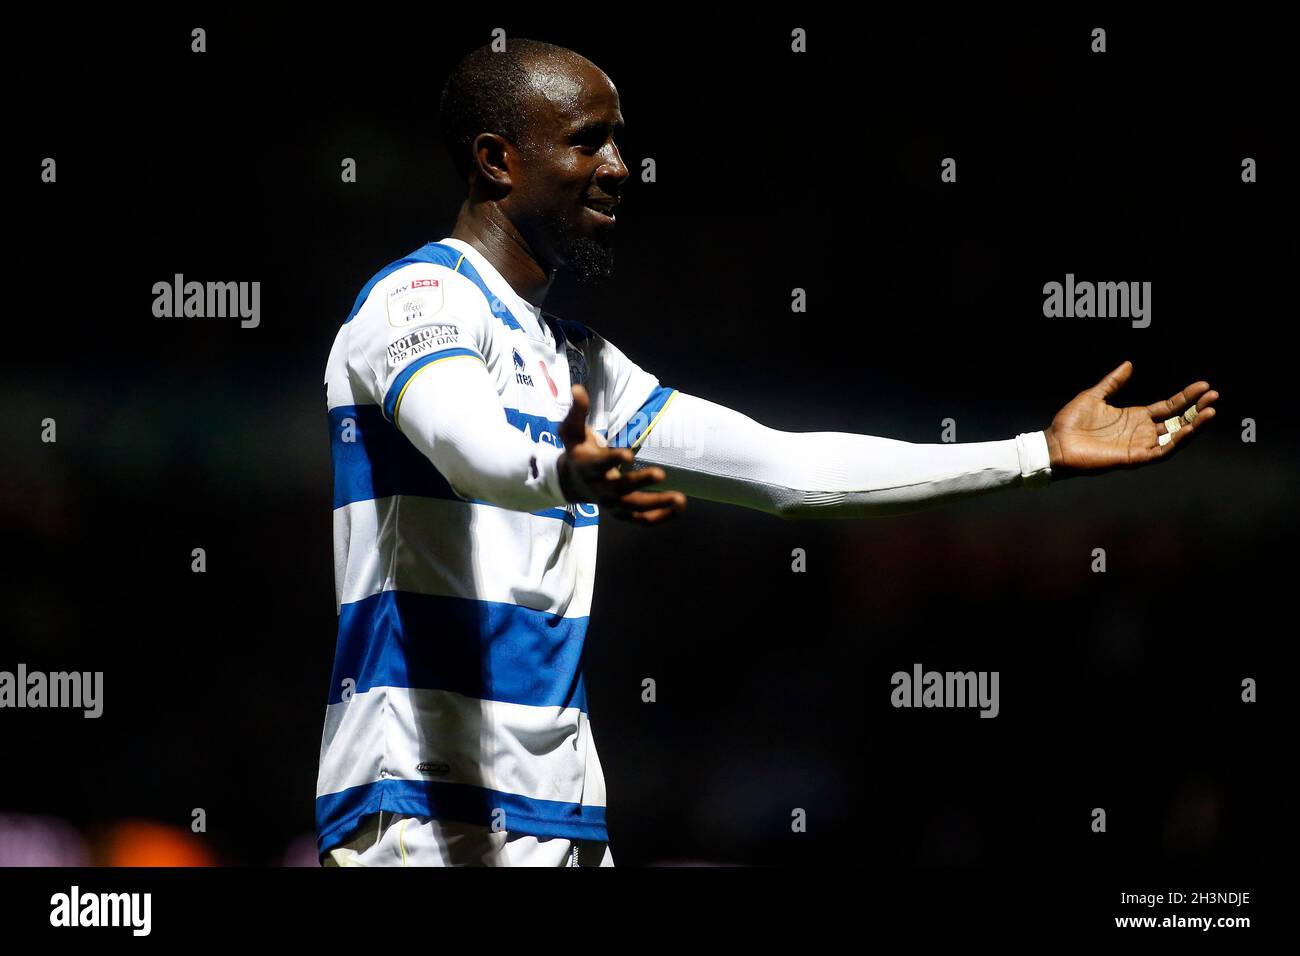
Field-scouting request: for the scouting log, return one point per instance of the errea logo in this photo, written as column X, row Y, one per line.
column 520, row 376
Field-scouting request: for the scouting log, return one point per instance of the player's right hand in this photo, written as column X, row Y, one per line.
column 592, row 472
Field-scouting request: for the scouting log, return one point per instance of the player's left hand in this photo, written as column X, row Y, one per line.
column 592, row 471
column 1089, row 436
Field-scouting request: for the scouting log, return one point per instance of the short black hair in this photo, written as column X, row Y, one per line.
column 489, row 92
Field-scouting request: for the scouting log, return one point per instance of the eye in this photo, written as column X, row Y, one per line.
column 596, row 136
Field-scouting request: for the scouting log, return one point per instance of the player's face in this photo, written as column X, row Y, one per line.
column 566, row 191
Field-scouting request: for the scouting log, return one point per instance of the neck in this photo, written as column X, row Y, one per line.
column 481, row 224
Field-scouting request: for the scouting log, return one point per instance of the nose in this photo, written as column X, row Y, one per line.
column 612, row 172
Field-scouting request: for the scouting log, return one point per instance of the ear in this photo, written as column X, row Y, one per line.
column 491, row 158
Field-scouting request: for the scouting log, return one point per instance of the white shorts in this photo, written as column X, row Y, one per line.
column 385, row 839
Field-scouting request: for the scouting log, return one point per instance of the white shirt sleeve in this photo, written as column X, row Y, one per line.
column 623, row 395
column 624, row 387
column 452, row 413
column 413, row 316
column 415, row 348
column 714, row 453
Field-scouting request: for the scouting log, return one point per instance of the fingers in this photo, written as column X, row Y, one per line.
column 1181, row 437
column 1113, row 382
column 614, row 483
column 599, row 472
column 646, row 508
column 646, row 517
column 573, row 430
column 604, row 464
column 1171, row 409
column 647, row 500
column 602, row 481
column 1176, row 404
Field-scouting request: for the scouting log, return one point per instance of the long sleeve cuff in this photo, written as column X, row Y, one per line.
column 1035, row 459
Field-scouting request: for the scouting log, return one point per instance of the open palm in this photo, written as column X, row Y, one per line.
column 1090, row 435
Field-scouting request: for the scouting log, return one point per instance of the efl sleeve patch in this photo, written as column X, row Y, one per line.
column 414, row 302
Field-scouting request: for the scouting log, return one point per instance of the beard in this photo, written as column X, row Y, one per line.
column 590, row 258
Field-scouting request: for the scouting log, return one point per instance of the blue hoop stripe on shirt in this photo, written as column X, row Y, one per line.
column 337, row 814
column 482, row 649
column 380, row 462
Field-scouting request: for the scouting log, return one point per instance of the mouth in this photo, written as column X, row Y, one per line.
column 601, row 209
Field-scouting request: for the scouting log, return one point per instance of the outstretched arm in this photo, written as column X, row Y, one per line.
column 718, row 454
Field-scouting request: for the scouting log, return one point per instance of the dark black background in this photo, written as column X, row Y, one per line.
column 775, row 170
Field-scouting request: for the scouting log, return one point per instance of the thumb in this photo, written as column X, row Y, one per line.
column 1116, row 380
column 573, row 430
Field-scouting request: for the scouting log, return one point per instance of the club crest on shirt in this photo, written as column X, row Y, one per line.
column 577, row 365
column 414, row 301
